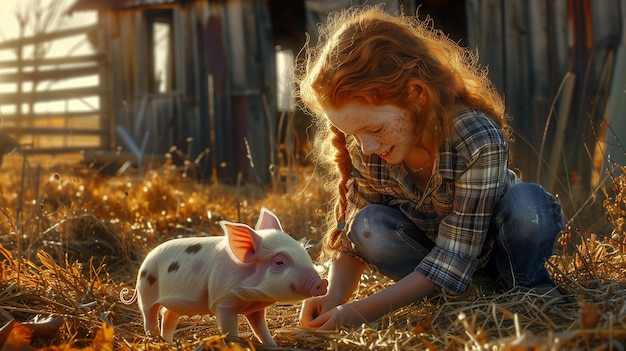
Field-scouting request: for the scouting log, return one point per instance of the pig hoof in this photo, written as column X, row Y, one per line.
column 155, row 337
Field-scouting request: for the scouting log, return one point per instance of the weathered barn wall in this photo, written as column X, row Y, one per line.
column 547, row 58
column 220, row 88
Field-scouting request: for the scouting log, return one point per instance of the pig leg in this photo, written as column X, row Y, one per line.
column 151, row 319
column 227, row 321
column 258, row 323
column 169, row 321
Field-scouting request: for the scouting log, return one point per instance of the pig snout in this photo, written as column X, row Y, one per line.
column 316, row 286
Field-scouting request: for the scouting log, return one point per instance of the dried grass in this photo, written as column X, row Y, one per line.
column 82, row 236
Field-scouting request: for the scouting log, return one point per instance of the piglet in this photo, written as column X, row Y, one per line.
column 239, row 273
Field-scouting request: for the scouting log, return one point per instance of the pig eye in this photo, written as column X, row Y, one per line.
column 280, row 262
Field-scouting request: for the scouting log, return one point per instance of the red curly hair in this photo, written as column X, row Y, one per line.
column 370, row 56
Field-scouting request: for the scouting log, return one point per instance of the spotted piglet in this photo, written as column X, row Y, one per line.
column 239, row 273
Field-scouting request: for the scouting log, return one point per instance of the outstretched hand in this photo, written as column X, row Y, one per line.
column 316, row 313
column 313, row 309
column 342, row 315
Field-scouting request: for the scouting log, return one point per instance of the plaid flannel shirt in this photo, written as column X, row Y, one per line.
column 470, row 174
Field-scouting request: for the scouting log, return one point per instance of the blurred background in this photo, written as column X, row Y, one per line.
column 129, row 81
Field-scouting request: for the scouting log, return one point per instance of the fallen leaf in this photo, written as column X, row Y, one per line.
column 104, row 339
column 18, row 338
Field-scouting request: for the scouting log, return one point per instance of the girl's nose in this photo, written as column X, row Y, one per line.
column 369, row 145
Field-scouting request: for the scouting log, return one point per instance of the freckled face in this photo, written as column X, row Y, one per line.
column 387, row 130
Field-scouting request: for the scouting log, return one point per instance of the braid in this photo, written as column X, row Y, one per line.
column 344, row 166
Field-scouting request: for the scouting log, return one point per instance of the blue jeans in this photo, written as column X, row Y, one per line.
column 525, row 223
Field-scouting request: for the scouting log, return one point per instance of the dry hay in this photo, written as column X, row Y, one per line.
column 83, row 236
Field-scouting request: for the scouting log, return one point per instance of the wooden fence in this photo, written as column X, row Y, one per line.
column 75, row 83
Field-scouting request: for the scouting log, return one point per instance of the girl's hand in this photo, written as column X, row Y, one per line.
column 342, row 315
column 313, row 308
column 344, row 276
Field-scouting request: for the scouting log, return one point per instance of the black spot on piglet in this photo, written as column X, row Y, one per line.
column 193, row 248
column 151, row 279
column 173, row 267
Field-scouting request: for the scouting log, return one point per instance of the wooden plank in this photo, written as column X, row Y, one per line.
column 558, row 42
column 538, row 85
column 186, row 117
column 538, row 24
column 56, row 74
column 143, row 52
column 615, row 137
column 51, row 95
column 107, row 123
column 51, row 131
column 49, row 115
column 516, row 62
column 42, row 38
column 54, row 61
column 123, row 69
column 218, row 94
column 517, row 77
column 485, row 33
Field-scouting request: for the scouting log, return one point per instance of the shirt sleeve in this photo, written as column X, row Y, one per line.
column 482, row 163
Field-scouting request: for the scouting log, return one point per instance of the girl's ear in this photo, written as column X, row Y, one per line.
column 418, row 93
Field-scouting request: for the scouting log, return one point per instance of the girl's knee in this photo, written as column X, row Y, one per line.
column 529, row 220
column 374, row 218
column 529, row 209
column 378, row 236
column 368, row 222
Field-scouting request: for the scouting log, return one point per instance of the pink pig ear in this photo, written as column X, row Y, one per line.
column 242, row 240
column 268, row 220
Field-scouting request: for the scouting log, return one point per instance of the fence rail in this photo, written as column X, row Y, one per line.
column 49, row 95
column 41, row 80
column 49, row 74
column 52, row 61
column 73, row 115
column 52, row 131
column 46, row 37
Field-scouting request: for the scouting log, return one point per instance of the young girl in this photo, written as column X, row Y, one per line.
column 413, row 138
